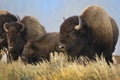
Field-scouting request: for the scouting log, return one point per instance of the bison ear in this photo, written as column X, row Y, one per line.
column 79, row 26
column 5, row 27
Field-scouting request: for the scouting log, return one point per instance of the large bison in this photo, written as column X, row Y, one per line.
column 5, row 16
column 93, row 32
column 18, row 33
column 35, row 51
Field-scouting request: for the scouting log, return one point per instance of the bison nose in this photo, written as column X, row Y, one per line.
column 62, row 47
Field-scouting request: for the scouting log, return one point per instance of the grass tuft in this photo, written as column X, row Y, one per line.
column 59, row 68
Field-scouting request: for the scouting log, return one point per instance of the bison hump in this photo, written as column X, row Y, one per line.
column 33, row 28
column 2, row 12
column 99, row 22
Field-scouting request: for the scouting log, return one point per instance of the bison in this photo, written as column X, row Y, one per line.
column 35, row 51
column 93, row 32
column 18, row 33
column 5, row 16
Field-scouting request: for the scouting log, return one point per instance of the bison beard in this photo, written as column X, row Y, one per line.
column 94, row 32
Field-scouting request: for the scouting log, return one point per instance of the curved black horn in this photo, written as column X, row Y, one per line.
column 23, row 27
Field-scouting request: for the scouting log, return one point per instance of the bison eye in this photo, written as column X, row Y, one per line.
column 70, row 33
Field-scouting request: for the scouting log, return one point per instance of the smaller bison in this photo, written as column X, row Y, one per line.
column 93, row 32
column 5, row 17
column 19, row 32
column 36, row 51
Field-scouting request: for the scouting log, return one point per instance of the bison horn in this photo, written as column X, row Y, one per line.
column 4, row 26
column 18, row 18
column 79, row 26
column 23, row 27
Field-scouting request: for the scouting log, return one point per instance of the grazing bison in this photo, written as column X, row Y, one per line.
column 5, row 16
column 91, row 33
column 18, row 33
column 36, row 51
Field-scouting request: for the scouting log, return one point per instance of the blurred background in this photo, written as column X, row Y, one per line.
column 50, row 13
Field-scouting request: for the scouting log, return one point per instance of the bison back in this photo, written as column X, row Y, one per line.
column 100, row 26
column 34, row 29
column 37, row 50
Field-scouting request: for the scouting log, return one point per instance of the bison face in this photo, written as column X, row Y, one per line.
column 14, row 38
column 73, row 35
column 29, row 55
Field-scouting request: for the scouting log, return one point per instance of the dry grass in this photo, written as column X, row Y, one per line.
column 117, row 58
column 59, row 68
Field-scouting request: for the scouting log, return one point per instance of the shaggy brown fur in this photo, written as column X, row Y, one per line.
column 36, row 51
column 98, row 33
column 115, row 31
column 5, row 17
column 34, row 29
column 18, row 33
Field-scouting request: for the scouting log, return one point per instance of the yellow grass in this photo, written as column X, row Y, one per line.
column 59, row 68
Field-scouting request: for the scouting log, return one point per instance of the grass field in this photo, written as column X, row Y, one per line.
column 59, row 68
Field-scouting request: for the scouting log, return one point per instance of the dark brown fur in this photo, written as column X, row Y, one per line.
column 36, row 51
column 18, row 33
column 34, row 30
column 15, row 39
column 5, row 17
column 98, row 34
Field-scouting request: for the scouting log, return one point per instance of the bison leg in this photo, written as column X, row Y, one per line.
column 108, row 57
column 9, row 60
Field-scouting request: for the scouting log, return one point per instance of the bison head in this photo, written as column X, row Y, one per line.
column 29, row 54
column 73, row 35
column 15, row 40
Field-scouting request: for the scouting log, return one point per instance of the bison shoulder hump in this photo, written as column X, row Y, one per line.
column 99, row 22
column 34, row 29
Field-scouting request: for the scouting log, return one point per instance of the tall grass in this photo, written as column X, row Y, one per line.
column 59, row 68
